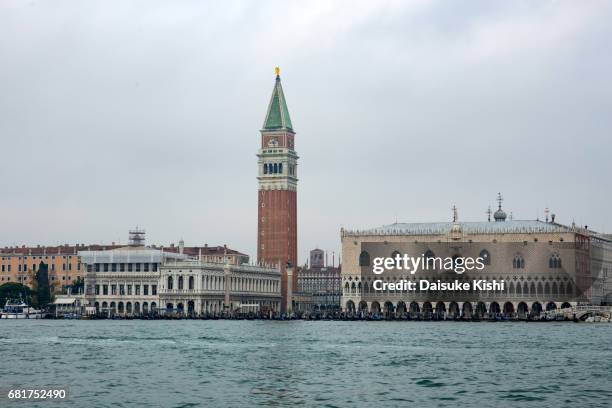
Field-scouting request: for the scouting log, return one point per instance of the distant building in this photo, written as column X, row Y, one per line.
column 140, row 280
column 19, row 264
column 319, row 285
column 544, row 265
column 317, row 258
column 67, row 304
column 124, row 280
column 214, row 254
column 195, row 287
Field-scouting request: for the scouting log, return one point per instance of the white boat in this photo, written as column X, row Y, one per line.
column 19, row 310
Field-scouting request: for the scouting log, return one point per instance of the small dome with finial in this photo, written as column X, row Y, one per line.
column 499, row 215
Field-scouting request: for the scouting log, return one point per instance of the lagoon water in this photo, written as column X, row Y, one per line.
column 312, row 364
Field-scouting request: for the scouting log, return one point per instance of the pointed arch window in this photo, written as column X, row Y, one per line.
column 364, row 258
column 554, row 262
column 561, row 288
column 518, row 262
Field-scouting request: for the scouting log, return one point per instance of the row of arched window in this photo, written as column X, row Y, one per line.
column 273, row 168
column 180, row 284
column 218, row 283
column 518, row 262
column 512, row 289
column 122, row 308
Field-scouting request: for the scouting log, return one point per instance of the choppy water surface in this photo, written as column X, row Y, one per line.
column 334, row 364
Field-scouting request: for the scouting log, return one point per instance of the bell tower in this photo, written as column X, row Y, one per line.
column 277, row 195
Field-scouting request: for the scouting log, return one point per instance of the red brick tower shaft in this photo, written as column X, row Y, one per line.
column 277, row 197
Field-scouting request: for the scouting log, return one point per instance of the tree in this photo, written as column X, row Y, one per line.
column 43, row 292
column 77, row 286
column 14, row 290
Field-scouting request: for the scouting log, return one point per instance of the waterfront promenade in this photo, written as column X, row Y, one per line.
column 576, row 314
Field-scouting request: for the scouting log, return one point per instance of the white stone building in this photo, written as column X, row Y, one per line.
column 195, row 287
column 124, row 281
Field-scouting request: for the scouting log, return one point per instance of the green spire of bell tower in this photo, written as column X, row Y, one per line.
column 277, row 117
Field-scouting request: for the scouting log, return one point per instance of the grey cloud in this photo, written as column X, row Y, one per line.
column 121, row 113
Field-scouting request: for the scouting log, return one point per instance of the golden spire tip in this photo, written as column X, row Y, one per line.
column 277, row 71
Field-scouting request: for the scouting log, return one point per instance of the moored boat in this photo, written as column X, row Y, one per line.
column 19, row 310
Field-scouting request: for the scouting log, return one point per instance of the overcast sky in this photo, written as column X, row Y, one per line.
column 122, row 113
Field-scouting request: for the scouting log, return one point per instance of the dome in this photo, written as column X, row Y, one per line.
column 500, row 215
